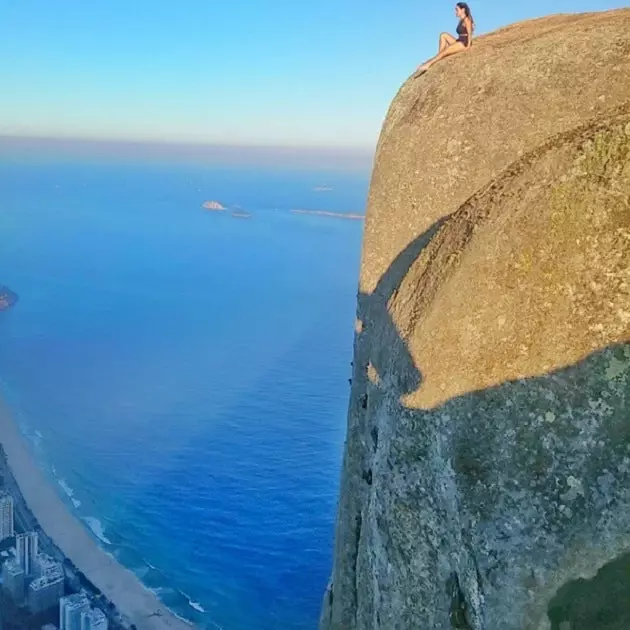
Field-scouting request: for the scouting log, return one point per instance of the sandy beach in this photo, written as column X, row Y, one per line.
column 117, row 583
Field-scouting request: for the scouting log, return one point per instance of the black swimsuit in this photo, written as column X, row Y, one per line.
column 463, row 33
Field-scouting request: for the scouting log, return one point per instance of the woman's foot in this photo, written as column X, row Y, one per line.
column 423, row 68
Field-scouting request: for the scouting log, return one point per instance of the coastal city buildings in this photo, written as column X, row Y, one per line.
column 46, row 564
column 71, row 608
column 6, row 516
column 45, row 591
column 41, row 593
column 39, row 580
column 26, row 546
column 94, row 619
column 13, row 580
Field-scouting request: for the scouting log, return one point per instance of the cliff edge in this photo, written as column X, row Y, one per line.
column 486, row 474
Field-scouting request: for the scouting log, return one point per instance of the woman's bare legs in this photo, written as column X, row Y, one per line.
column 446, row 40
column 451, row 49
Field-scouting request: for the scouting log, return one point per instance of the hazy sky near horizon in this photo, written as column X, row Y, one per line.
column 240, row 72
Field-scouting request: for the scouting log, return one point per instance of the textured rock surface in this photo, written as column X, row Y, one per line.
column 487, row 461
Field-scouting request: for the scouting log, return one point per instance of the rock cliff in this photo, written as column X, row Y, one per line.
column 486, row 474
column 7, row 298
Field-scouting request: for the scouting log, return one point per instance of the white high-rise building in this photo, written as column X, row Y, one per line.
column 46, row 564
column 71, row 608
column 6, row 516
column 45, row 591
column 13, row 580
column 26, row 547
column 94, row 619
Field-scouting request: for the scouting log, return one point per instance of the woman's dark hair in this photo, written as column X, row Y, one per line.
column 466, row 8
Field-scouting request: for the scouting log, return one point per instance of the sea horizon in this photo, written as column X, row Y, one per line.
column 287, row 157
column 204, row 354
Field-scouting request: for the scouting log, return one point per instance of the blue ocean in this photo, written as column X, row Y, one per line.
column 182, row 374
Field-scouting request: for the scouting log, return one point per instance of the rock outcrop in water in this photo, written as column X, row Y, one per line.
column 7, row 298
column 486, row 475
column 213, row 205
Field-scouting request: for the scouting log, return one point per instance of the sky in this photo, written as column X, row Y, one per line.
column 235, row 72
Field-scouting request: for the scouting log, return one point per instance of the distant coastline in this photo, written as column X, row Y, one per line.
column 239, row 213
column 135, row 604
column 325, row 213
column 7, row 298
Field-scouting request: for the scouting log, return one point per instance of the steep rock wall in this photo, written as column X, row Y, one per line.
column 487, row 460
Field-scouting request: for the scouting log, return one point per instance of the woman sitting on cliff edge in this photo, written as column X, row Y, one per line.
column 448, row 44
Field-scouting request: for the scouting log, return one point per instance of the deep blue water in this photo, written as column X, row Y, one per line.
column 183, row 374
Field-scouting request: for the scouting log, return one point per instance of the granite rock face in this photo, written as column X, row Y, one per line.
column 486, row 472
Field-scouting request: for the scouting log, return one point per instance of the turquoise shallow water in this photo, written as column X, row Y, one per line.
column 183, row 375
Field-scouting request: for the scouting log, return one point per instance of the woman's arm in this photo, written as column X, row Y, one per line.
column 469, row 30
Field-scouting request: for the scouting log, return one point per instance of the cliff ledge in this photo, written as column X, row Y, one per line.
column 486, row 474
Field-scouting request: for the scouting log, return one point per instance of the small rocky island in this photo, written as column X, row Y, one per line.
column 7, row 298
column 213, row 205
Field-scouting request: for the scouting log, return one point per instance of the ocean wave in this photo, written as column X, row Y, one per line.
column 97, row 529
column 188, row 621
column 194, row 605
column 69, row 492
column 164, row 593
column 35, row 438
column 197, row 606
column 140, row 572
column 161, row 591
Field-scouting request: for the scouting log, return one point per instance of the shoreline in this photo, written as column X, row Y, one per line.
column 133, row 601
